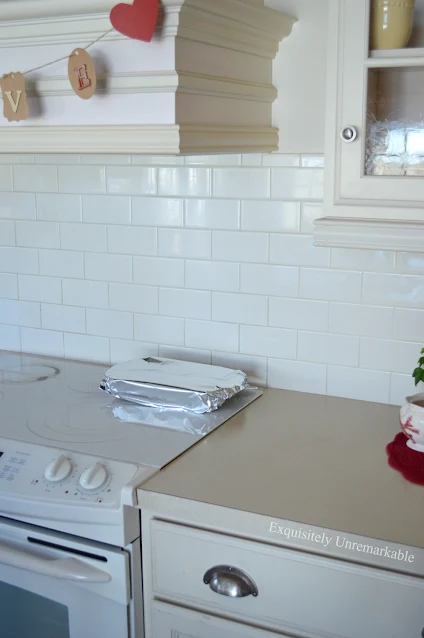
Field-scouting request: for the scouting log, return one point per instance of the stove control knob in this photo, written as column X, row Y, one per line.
column 93, row 477
column 58, row 470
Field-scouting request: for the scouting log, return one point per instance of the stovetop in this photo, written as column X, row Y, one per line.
column 58, row 403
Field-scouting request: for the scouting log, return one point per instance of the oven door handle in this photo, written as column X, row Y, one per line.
column 62, row 568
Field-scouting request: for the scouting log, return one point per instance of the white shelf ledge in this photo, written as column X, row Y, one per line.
column 373, row 234
column 396, row 58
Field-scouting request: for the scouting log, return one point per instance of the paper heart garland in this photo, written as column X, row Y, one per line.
column 137, row 20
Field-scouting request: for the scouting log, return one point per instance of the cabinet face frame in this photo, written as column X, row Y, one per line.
column 362, row 211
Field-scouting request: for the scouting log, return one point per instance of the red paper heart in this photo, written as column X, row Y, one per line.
column 137, row 20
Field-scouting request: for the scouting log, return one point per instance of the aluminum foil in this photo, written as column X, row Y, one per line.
column 173, row 385
column 395, row 148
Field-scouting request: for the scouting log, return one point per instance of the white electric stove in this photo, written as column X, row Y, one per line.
column 71, row 458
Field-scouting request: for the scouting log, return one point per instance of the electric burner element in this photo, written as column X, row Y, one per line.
column 28, row 374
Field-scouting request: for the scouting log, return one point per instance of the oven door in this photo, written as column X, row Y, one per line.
column 57, row 586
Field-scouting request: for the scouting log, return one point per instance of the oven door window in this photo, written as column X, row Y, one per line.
column 25, row 614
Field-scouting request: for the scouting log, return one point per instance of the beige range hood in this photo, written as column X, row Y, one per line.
column 203, row 85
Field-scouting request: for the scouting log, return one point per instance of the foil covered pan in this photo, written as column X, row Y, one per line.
column 176, row 385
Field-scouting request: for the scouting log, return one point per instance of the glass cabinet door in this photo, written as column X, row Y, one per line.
column 381, row 116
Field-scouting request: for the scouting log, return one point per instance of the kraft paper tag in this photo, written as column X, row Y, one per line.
column 15, row 105
column 82, row 73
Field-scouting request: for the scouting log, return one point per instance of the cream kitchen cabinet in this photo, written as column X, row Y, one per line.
column 169, row 621
column 202, row 85
column 200, row 581
column 374, row 193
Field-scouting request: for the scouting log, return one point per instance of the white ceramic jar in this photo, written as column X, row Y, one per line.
column 391, row 23
column 412, row 421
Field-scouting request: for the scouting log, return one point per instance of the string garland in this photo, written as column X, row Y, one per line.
column 66, row 57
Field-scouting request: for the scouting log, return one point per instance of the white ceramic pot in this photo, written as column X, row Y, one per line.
column 391, row 23
column 412, row 421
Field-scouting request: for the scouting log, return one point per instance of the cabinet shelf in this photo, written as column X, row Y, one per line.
column 396, row 57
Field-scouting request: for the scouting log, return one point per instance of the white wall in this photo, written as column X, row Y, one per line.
column 300, row 76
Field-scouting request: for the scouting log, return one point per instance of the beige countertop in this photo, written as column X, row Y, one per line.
column 306, row 458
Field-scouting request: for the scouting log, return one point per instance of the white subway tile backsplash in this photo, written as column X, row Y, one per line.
column 408, row 325
column 101, row 267
column 401, row 386
column 131, row 180
column 221, row 214
column 310, row 211
column 18, row 260
column 34, row 179
column 20, row 313
column 353, row 383
column 337, row 285
column 7, row 232
column 280, row 159
column 212, row 335
column 85, row 293
column 10, row 338
column 263, row 279
column 193, row 304
column 169, row 330
column 157, row 271
column 184, row 182
column 297, row 183
column 268, row 342
column 365, row 321
column 212, row 275
column 297, row 250
column 270, row 216
column 82, row 179
column 189, row 244
column 6, row 182
column 410, row 263
column 297, row 375
column 132, row 241
column 328, row 348
column 254, row 367
column 85, row 237
column 185, row 354
column 37, row 234
column 206, row 258
column 124, row 350
column 134, row 298
column 237, row 308
column 61, row 263
column 103, row 209
column 299, row 314
column 369, row 260
column 391, row 356
column 54, row 207
column 87, row 348
column 110, row 323
column 64, row 318
column 157, row 211
column 241, row 183
column 43, row 289
column 45, row 342
column 8, row 286
column 240, row 246
column 393, row 290
column 17, row 206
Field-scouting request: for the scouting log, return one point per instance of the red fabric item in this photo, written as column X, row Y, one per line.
column 138, row 20
column 409, row 462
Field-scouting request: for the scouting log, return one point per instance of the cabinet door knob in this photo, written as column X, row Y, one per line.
column 230, row 581
column 349, row 134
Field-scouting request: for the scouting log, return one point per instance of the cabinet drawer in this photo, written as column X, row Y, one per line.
column 176, row 622
column 298, row 593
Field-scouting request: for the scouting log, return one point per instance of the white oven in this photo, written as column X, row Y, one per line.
column 53, row 585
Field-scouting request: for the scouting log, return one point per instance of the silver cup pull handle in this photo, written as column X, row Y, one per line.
column 230, row 581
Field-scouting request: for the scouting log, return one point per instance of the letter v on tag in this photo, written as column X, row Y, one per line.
column 15, row 105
